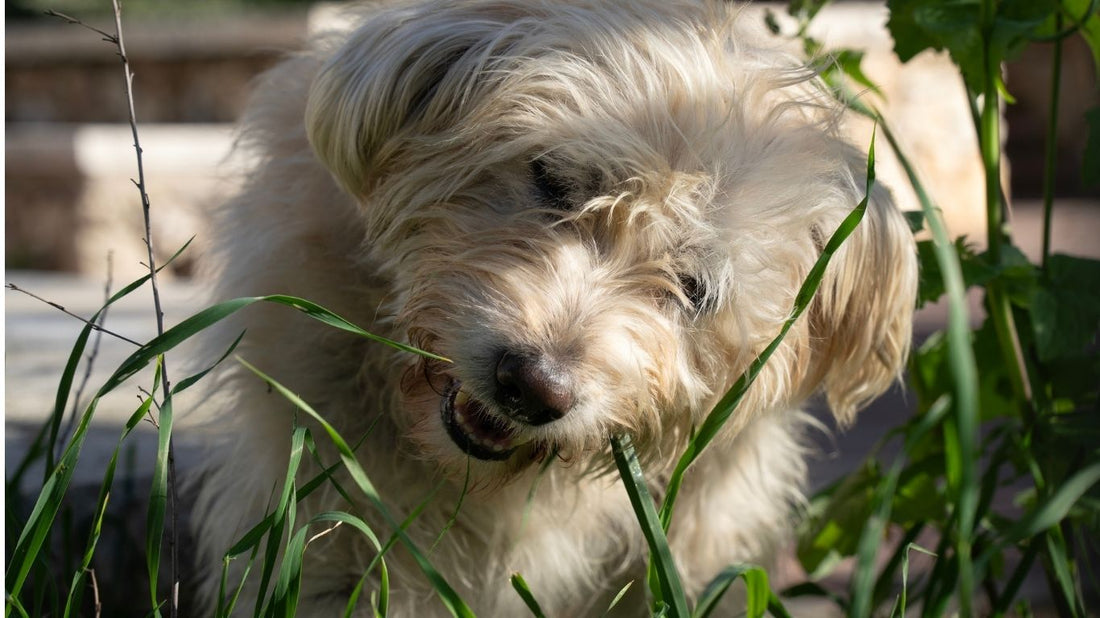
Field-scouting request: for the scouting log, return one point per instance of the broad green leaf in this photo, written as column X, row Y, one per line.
column 1065, row 311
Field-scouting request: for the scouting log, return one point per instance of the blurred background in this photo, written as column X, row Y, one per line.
column 70, row 203
column 68, row 200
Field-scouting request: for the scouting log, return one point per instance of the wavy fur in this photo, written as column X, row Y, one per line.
column 626, row 195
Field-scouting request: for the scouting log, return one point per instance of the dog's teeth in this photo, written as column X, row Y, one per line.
column 461, row 398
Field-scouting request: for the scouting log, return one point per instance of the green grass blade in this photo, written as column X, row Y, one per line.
column 758, row 592
column 446, row 593
column 67, row 375
column 524, row 591
column 899, row 559
column 1055, row 508
column 903, row 599
column 226, row 605
column 618, row 597
column 216, row 313
column 961, row 450
column 55, row 485
column 64, row 389
column 284, row 598
column 729, row 402
column 776, row 607
column 190, row 381
column 158, row 496
column 871, row 538
column 669, row 589
column 321, row 314
column 341, row 517
column 863, row 585
column 283, row 514
column 1061, row 571
column 104, row 495
column 45, row 509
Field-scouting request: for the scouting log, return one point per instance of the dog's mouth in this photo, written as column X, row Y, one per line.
column 473, row 428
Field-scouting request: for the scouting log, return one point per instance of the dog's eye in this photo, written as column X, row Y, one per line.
column 694, row 291
column 553, row 192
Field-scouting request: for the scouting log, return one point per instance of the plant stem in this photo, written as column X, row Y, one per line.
column 173, row 599
column 1051, row 154
column 1012, row 588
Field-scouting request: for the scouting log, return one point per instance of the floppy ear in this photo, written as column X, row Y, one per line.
column 861, row 321
column 383, row 80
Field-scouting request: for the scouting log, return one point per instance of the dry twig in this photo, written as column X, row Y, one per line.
column 117, row 40
column 95, row 327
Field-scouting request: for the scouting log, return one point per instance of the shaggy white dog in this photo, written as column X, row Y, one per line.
column 599, row 212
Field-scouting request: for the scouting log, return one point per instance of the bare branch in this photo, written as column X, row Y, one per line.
column 95, row 594
column 107, row 36
column 95, row 327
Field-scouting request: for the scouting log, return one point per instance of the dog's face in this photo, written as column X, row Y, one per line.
column 601, row 213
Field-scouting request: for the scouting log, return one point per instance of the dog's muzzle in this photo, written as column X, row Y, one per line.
column 474, row 429
column 528, row 391
column 531, row 389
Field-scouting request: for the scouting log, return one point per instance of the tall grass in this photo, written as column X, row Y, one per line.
column 969, row 441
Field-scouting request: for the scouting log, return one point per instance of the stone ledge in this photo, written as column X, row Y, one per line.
column 70, row 198
column 41, row 43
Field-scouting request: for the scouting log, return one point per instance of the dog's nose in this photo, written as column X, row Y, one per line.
column 532, row 389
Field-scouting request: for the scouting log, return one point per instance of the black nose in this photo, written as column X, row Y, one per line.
column 532, row 389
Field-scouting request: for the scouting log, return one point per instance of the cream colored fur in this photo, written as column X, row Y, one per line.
column 687, row 175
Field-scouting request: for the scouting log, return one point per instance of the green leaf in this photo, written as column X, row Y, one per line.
column 957, row 27
column 976, row 271
column 1065, row 310
column 918, row 497
column 805, row 9
column 771, row 21
column 834, row 519
column 1090, row 31
column 915, row 218
column 1015, row 273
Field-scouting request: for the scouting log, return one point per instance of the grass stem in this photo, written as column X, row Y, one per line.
column 1050, row 156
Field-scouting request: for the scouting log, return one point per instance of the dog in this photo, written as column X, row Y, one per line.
column 597, row 214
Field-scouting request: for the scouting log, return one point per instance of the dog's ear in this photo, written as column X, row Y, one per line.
column 861, row 320
column 398, row 74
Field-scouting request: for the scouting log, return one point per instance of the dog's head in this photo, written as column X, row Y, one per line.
column 602, row 212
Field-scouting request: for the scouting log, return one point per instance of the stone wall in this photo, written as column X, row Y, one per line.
column 68, row 194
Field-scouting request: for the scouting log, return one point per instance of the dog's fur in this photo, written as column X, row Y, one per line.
column 599, row 212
